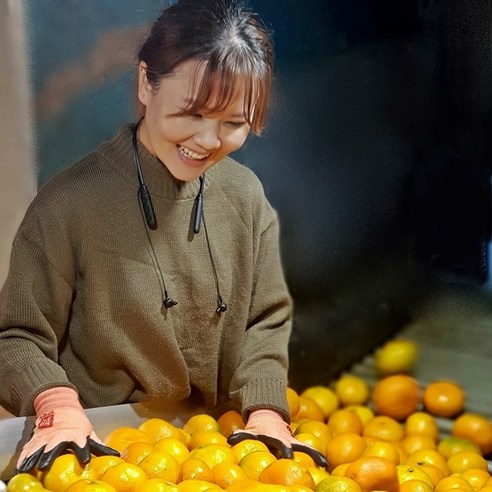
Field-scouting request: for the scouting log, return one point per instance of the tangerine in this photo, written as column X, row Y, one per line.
column 373, row 473
column 476, row 428
column 451, row 445
column 384, row 428
column 453, row 482
column 173, row 446
column 159, row 464
column 286, row 472
column 444, row 398
column 65, row 470
column 226, row 474
column 88, row 485
column 415, row 486
column 254, row 463
column 213, row 454
column 476, row 476
column 414, row 442
column 196, row 469
column 396, row 396
column 383, row 449
column 337, row 484
column 314, row 427
column 408, row 471
column 396, row 356
column 324, row 397
column 422, row 423
column 121, row 437
column 136, row 452
column 124, row 477
column 160, row 429
column 204, row 438
column 155, row 485
column 242, row 448
column 344, row 448
column 292, row 401
column 201, row 422
column 464, row 460
column 309, row 409
column 342, row 421
column 364, row 412
column 431, row 456
column 230, row 422
column 351, row 390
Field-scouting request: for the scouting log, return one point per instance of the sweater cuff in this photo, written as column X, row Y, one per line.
column 35, row 378
column 265, row 393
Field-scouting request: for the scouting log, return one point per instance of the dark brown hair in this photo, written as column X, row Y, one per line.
column 230, row 40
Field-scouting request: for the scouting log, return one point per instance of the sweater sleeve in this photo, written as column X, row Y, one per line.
column 34, row 307
column 260, row 380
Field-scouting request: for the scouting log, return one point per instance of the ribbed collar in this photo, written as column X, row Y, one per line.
column 158, row 179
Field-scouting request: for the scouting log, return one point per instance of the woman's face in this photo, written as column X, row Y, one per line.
column 188, row 145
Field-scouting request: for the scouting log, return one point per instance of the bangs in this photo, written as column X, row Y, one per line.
column 215, row 88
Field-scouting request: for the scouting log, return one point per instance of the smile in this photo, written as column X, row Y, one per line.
column 189, row 154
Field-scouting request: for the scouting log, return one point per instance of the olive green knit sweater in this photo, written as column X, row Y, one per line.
column 82, row 305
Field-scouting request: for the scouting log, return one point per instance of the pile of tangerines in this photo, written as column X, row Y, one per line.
column 383, row 437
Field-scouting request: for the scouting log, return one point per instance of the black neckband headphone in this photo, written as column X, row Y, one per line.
column 150, row 222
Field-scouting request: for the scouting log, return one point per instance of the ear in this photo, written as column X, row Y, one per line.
column 144, row 87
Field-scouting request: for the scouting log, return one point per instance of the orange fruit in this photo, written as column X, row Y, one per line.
column 136, row 452
column 324, row 397
column 477, row 477
column 247, row 485
column 292, row 401
column 98, row 465
column 451, row 445
column 155, row 485
column 415, row 486
column 408, row 471
column 230, row 421
column 351, row 390
column 88, row 485
column 313, row 441
column 432, row 457
column 413, row 442
column 340, row 470
column 64, row 471
column 200, row 422
column 241, row 449
column 342, row 421
column 364, row 412
column 309, row 409
column 303, row 459
column 22, row 482
column 196, row 486
column 476, row 428
column 317, row 473
column 204, row 438
column 384, row 428
column 225, row 474
column 254, row 463
column 373, row 473
column 124, row 477
column 286, row 472
column 314, row 427
column 344, row 448
column 337, row 484
column 159, row 464
column 213, row 454
column 444, row 398
column 383, row 449
column 173, row 446
column 464, row 460
column 396, row 396
column 196, row 469
column 422, row 423
column 396, row 356
column 121, row 437
column 160, row 429
column 433, row 472
column 453, row 482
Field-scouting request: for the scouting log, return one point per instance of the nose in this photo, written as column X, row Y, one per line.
column 208, row 136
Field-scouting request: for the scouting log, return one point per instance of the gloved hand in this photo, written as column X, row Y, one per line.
column 61, row 425
column 268, row 427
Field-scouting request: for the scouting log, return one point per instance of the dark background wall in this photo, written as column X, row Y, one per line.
column 376, row 154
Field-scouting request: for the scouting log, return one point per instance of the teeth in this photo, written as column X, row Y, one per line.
column 192, row 155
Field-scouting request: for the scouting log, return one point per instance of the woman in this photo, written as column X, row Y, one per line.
column 150, row 269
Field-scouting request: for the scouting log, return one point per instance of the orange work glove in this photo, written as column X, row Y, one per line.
column 270, row 428
column 61, row 425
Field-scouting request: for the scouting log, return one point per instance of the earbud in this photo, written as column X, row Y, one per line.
column 168, row 302
column 221, row 306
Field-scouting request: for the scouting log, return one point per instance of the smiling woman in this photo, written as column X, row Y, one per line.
column 86, row 315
